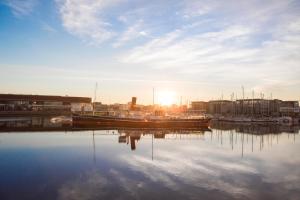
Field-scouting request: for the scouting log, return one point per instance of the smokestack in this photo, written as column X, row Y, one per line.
column 133, row 103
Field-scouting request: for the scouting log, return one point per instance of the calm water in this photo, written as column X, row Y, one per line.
column 228, row 162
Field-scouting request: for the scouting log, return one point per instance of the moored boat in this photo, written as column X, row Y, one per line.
column 109, row 121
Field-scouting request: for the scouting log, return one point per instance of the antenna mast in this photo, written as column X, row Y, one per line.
column 95, row 92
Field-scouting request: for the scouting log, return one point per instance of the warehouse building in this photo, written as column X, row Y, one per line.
column 43, row 103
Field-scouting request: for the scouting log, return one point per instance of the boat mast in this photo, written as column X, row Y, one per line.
column 232, row 104
column 252, row 103
column 243, row 93
column 95, row 97
column 153, row 97
column 153, row 100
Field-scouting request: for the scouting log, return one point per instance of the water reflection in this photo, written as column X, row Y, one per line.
column 132, row 136
column 35, row 124
column 240, row 136
column 253, row 128
column 227, row 161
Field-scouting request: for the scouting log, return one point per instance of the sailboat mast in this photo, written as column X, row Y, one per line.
column 95, row 92
column 252, row 103
column 153, row 93
column 243, row 94
column 95, row 97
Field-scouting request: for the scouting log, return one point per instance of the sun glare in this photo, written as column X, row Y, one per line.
column 166, row 98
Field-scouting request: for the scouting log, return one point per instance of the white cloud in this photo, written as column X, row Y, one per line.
column 193, row 8
column 131, row 33
column 21, row 7
column 84, row 18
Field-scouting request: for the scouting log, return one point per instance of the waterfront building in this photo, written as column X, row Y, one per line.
column 220, row 107
column 266, row 107
column 12, row 103
column 198, row 107
column 258, row 107
column 251, row 107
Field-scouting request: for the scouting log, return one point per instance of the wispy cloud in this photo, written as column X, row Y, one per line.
column 48, row 28
column 131, row 33
column 21, row 7
column 175, row 49
column 97, row 21
column 194, row 8
column 85, row 18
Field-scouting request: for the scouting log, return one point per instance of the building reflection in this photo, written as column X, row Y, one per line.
column 35, row 124
column 254, row 128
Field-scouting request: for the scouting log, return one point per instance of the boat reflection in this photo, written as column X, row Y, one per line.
column 132, row 136
column 60, row 123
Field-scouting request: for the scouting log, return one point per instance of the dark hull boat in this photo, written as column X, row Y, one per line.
column 97, row 121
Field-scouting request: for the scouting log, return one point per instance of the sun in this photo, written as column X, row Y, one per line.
column 166, row 98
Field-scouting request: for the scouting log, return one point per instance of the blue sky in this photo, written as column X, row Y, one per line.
column 196, row 49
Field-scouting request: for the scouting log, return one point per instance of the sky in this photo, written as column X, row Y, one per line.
column 193, row 49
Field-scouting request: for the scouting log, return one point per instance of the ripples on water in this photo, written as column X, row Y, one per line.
column 50, row 161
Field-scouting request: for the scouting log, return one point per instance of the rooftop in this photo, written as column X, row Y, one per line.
column 29, row 97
